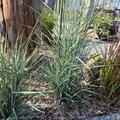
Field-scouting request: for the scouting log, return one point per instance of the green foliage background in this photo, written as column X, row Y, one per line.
column 102, row 22
column 47, row 24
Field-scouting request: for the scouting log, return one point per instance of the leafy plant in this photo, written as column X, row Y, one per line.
column 102, row 22
column 47, row 24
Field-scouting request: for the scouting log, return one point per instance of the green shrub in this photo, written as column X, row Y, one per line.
column 102, row 22
column 47, row 24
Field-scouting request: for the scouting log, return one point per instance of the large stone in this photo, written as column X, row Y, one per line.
column 91, row 35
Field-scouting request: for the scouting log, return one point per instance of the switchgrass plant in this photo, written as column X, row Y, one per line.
column 110, row 76
column 68, row 52
column 13, row 75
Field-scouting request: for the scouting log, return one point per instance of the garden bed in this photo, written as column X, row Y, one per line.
column 93, row 109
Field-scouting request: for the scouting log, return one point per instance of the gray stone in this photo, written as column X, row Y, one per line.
column 112, row 116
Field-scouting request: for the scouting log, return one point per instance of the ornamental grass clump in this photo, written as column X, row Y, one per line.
column 110, row 76
column 13, row 75
column 68, row 52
